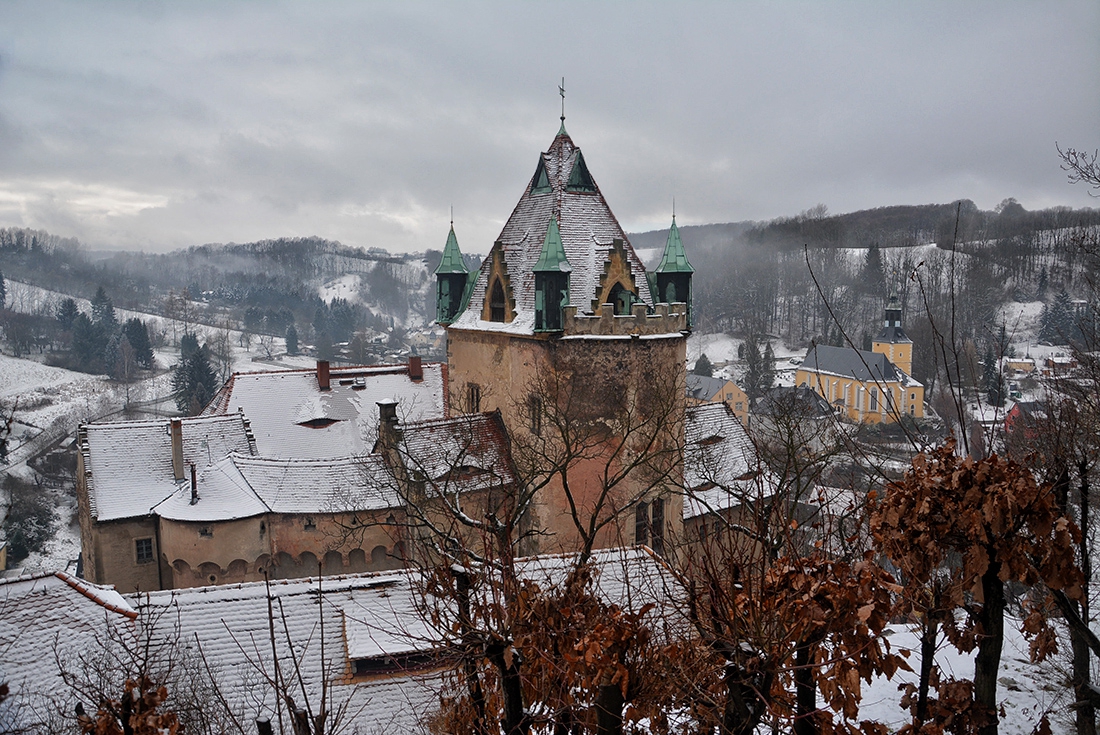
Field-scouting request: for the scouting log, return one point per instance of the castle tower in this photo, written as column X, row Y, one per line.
column 562, row 316
column 892, row 340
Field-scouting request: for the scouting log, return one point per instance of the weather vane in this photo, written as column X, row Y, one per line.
column 561, row 91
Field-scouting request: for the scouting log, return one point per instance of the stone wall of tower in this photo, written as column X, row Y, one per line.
column 624, row 385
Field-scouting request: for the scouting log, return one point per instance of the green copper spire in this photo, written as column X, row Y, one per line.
column 452, row 257
column 552, row 258
column 675, row 259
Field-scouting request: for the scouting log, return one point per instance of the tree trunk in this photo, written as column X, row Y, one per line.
column 930, row 630
column 609, row 709
column 514, row 721
column 805, row 691
column 1082, row 687
column 988, row 661
column 744, row 706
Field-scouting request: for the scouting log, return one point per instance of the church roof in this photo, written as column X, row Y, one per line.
column 858, row 364
column 675, row 259
column 452, row 257
column 562, row 188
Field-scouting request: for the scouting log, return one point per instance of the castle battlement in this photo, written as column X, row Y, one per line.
column 666, row 319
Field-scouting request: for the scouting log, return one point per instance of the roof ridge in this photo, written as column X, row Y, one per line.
column 81, row 587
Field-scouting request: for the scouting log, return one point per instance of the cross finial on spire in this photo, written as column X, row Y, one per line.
column 452, row 215
column 673, row 209
column 561, row 91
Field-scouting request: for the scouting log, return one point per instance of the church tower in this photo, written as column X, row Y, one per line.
column 892, row 341
column 562, row 316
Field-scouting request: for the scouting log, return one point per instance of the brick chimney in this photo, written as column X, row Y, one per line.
column 176, row 431
column 416, row 369
column 322, row 374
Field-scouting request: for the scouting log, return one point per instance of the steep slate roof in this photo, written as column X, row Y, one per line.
column 847, row 362
column 703, row 388
column 130, row 463
column 721, row 466
column 462, row 453
column 281, row 404
column 587, row 227
column 41, row 615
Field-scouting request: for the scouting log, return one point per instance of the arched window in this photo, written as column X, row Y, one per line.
column 496, row 302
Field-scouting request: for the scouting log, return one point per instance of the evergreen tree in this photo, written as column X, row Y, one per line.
column 87, row 352
column 103, row 313
column 703, row 366
column 137, row 333
column 989, row 369
column 759, row 368
column 1056, row 325
column 189, row 345
column 872, row 277
column 194, row 382
column 3, row 291
column 291, row 340
column 67, row 312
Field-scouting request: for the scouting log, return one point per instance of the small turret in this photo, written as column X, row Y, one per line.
column 551, row 281
column 673, row 275
column 450, row 281
column 892, row 341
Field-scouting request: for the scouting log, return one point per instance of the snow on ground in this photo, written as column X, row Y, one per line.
column 717, row 347
column 1025, row 690
column 344, row 287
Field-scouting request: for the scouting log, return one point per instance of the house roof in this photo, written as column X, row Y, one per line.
column 292, row 417
column 792, row 401
column 44, row 618
column 462, row 453
column 366, row 616
column 861, row 365
column 720, row 460
column 703, row 388
column 587, row 229
column 128, row 465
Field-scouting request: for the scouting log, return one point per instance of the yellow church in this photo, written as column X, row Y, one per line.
column 869, row 387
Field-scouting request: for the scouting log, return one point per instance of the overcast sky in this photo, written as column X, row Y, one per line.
column 145, row 125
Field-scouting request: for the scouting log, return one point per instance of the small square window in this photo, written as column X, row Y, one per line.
column 206, row 532
column 143, row 550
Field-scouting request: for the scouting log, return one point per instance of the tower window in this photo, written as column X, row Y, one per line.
column 874, row 399
column 496, row 302
column 473, row 397
column 649, row 525
column 641, row 524
column 622, row 298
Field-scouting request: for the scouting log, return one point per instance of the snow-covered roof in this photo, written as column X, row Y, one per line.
column 588, row 230
column 128, row 465
column 242, row 486
column 42, row 619
column 364, row 617
column 462, row 453
column 292, row 417
column 720, row 462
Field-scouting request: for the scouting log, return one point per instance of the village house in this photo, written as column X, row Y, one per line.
column 704, row 389
column 868, row 386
